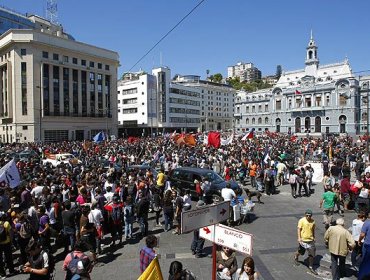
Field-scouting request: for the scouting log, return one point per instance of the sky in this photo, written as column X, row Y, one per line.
column 218, row 34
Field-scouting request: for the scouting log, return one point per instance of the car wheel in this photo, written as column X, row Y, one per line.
column 216, row 198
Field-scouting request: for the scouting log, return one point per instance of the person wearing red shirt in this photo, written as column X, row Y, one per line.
column 345, row 186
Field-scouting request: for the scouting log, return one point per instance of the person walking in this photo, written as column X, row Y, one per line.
column 328, row 202
column 339, row 240
column 306, row 240
column 147, row 253
column 6, row 237
column 364, row 270
column 356, row 231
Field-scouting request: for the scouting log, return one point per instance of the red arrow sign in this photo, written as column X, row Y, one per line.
column 223, row 211
column 206, row 230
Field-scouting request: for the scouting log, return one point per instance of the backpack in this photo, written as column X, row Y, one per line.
column 26, row 230
column 3, row 234
column 129, row 211
column 292, row 179
column 78, row 266
column 116, row 213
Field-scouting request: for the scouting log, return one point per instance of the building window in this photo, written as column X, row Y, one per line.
column 75, row 91
column 247, row 109
column 45, row 54
column 297, row 125
column 327, row 100
column 318, row 124
column 266, row 107
column 56, row 91
column 83, row 62
column 247, row 121
column 65, row 59
column 107, row 67
column 259, row 120
column 23, row 52
column 253, row 121
column 92, row 64
column 342, row 100
column 25, row 127
column 259, row 108
column 266, row 120
column 289, row 103
column 66, row 91
column 100, row 66
column 253, row 109
column 278, row 105
column 308, row 101
column 24, row 87
column 318, row 101
column 55, row 56
column 74, row 60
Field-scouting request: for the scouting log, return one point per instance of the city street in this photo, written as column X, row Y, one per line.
column 273, row 225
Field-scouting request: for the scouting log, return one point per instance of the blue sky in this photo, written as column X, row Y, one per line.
column 219, row 33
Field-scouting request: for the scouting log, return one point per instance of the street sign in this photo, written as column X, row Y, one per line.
column 234, row 239
column 207, row 232
column 204, row 216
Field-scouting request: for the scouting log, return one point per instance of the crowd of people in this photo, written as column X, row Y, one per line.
column 81, row 205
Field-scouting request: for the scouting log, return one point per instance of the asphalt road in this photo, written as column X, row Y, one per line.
column 273, row 225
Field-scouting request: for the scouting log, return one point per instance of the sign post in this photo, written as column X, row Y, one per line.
column 204, row 216
column 229, row 237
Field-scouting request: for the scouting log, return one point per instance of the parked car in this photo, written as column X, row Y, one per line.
column 183, row 178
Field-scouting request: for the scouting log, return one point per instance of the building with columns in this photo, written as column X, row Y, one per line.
column 54, row 88
column 315, row 100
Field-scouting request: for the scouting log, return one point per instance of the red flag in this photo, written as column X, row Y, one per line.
column 214, row 139
column 190, row 140
column 293, row 138
column 298, row 92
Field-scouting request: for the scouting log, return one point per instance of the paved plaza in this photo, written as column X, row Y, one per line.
column 273, row 225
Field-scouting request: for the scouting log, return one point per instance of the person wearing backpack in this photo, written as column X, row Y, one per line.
column 40, row 264
column 25, row 232
column 116, row 220
column 128, row 214
column 6, row 236
column 77, row 264
column 269, row 180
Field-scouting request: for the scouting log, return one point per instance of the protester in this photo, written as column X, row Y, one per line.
column 339, row 241
column 247, row 270
column 226, row 263
column 40, row 265
column 306, row 240
column 147, row 253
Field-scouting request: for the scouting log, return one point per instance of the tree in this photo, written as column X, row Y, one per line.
column 217, row 78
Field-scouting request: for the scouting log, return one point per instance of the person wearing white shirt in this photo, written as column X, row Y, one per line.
column 227, row 193
column 96, row 217
column 356, row 231
column 109, row 194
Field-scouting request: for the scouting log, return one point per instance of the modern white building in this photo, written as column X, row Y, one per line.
column 317, row 99
column 54, row 88
column 151, row 103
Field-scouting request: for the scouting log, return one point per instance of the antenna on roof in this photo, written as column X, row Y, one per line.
column 52, row 11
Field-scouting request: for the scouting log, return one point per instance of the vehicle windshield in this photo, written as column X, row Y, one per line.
column 214, row 177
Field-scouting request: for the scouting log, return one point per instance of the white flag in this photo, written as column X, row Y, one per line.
column 10, row 174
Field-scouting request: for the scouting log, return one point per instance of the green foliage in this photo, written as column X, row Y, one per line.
column 249, row 87
column 217, row 78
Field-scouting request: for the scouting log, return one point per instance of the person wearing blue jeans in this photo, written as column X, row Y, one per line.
column 168, row 210
column 128, row 214
column 364, row 269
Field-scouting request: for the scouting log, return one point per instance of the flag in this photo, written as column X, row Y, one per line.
column 152, row 272
column 214, row 139
column 227, row 141
column 298, row 92
column 266, row 156
column 249, row 135
column 9, row 173
column 293, row 138
column 189, row 140
column 100, row 137
column 132, row 139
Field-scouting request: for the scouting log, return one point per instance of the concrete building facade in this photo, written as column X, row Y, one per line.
column 315, row 100
column 54, row 88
